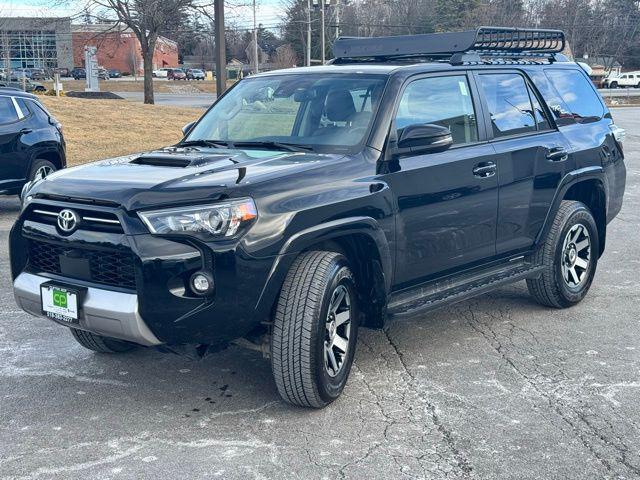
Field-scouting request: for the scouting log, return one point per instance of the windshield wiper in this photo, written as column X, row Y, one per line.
column 289, row 147
column 205, row 143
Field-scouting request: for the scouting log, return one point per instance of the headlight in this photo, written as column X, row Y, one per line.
column 218, row 220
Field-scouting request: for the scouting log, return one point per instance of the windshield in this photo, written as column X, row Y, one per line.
column 323, row 112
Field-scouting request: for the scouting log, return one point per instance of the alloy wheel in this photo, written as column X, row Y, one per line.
column 576, row 256
column 337, row 331
column 43, row 172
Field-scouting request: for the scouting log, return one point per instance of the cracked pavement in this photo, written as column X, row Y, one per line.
column 495, row 387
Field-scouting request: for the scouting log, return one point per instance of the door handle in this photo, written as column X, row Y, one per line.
column 557, row 154
column 485, row 169
column 26, row 131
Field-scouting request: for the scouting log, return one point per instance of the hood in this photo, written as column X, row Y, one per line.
column 174, row 176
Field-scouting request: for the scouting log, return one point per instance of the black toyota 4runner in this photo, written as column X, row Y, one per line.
column 410, row 173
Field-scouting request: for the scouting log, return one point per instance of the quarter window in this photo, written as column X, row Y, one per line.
column 444, row 101
column 509, row 104
column 578, row 94
column 8, row 112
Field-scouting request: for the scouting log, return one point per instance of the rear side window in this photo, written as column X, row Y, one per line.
column 444, row 101
column 22, row 103
column 8, row 112
column 577, row 93
column 509, row 104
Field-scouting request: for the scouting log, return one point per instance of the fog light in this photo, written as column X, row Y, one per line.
column 201, row 283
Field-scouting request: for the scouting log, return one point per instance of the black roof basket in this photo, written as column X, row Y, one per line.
column 485, row 41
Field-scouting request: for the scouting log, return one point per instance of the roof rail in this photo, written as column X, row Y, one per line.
column 485, row 41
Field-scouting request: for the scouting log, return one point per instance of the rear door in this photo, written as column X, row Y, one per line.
column 446, row 201
column 532, row 156
column 12, row 155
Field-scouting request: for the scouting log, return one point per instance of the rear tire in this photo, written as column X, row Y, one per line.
column 315, row 330
column 101, row 344
column 569, row 257
column 41, row 166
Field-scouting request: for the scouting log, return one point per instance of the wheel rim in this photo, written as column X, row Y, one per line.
column 576, row 256
column 337, row 331
column 43, row 172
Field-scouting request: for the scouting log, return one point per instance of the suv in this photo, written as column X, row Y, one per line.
column 306, row 203
column 31, row 141
column 195, row 74
column 629, row 79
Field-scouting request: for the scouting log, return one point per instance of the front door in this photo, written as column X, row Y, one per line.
column 446, row 201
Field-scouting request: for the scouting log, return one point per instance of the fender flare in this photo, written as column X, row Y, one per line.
column 569, row 180
column 304, row 239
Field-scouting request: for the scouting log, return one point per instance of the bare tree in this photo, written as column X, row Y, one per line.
column 285, row 56
column 147, row 19
column 133, row 61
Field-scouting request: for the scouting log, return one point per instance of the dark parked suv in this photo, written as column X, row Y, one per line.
column 410, row 173
column 31, row 141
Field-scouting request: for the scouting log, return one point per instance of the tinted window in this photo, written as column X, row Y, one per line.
column 509, row 104
column 8, row 112
column 541, row 116
column 444, row 101
column 578, row 94
column 22, row 103
column 38, row 110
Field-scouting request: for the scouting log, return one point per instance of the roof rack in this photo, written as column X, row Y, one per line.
column 463, row 47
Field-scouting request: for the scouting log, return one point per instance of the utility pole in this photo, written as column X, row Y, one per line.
column 322, row 40
column 308, row 33
column 337, row 19
column 256, row 60
column 221, row 59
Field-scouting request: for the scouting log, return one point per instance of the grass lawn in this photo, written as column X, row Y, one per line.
column 97, row 129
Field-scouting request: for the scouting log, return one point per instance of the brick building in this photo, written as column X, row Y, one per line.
column 118, row 48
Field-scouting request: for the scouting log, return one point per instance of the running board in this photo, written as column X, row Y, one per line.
column 453, row 289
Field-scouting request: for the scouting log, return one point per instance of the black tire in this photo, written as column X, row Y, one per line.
column 101, row 344
column 613, row 85
column 39, row 163
column 300, row 328
column 551, row 288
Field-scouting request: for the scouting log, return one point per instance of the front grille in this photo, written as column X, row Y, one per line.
column 111, row 268
column 92, row 220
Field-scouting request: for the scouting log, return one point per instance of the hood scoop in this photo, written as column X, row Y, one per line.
column 176, row 160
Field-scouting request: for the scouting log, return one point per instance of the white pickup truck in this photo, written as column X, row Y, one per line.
column 623, row 80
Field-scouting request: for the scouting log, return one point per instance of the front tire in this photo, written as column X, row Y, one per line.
column 101, row 344
column 315, row 330
column 569, row 257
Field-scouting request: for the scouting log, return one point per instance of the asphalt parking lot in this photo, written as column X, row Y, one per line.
column 497, row 387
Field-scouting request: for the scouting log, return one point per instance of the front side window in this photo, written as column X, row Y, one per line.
column 325, row 112
column 577, row 93
column 444, row 101
column 509, row 104
column 8, row 112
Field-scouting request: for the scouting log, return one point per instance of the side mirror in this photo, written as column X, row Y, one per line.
column 426, row 137
column 187, row 128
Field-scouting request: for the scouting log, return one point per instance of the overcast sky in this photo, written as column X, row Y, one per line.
column 268, row 11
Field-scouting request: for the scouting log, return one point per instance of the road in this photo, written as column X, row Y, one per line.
column 195, row 100
column 498, row 387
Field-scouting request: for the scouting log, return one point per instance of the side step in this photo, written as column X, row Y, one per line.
column 453, row 289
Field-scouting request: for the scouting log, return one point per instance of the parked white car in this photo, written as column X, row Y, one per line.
column 161, row 72
column 628, row 79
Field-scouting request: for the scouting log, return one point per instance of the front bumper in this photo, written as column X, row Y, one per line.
column 151, row 305
column 104, row 312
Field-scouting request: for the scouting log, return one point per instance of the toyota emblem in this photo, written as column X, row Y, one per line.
column 67, row 220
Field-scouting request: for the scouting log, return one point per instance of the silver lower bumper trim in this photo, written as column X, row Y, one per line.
column 112, row 314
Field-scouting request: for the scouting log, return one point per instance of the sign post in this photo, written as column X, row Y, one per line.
column 91, row 68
